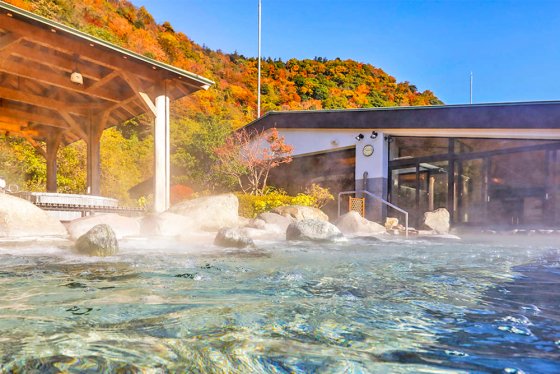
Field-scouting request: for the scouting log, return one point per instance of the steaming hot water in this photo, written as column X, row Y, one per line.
column 358, row 306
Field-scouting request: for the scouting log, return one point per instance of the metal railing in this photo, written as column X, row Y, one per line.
column 379, row 199
column 90, row 208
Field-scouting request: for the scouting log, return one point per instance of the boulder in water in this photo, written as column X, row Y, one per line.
column 300, row 213
column 313, row 230
column 99, row 241
column 210, row 213
column 20, row 218
column 276, row 219
column 166, row 224
column 233, row 237
column 354, row 223
column 437, row 220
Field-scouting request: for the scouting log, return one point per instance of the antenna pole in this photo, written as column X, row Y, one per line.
column 471, row 84
column 259, row 78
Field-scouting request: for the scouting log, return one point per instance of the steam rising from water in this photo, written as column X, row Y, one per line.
column 359, row 306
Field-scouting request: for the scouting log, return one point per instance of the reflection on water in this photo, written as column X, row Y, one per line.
column 359, row 306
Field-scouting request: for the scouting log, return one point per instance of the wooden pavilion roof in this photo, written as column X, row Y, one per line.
column 37, row 97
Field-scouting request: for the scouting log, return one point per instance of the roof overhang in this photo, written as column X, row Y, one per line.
column 522, row 117
column 37, row 97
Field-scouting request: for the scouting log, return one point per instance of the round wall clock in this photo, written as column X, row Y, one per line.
column 367, row 150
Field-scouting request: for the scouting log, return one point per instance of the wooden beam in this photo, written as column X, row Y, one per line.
column 67, row 64
column 9, row 40
column 12, row 121
column 53, row 143
column 75, row 126
column 33, row 117
column 136, row 86
column 103, row 81
column 44, row 102
column 69, row 44
column 52, row 79
column 16, row 128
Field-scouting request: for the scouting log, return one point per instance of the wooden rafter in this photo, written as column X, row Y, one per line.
column 63, row 62
column 74, row 125
column 42, row 101
column 8, row 40
column 138, row 89
column 68, row 45
column 52, row 79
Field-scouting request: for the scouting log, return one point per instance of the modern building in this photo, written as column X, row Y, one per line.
column 491, row 165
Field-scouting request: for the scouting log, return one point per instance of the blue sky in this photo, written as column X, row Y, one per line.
column 512, row 47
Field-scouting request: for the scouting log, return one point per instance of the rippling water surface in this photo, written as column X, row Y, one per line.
column 355, row 307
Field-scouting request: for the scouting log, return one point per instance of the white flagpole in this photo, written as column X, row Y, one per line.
column 471, row 87
column 259, row 78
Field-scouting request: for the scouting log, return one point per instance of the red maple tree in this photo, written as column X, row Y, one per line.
column 248, row 157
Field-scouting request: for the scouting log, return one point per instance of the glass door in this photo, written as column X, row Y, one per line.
column 419, row 188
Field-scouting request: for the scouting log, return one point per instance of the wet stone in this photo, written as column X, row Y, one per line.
column 232, row 237
column 99, row 241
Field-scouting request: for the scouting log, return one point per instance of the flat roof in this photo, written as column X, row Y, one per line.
column 516, row 115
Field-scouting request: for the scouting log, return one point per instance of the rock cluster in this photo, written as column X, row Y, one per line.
column 97, row 235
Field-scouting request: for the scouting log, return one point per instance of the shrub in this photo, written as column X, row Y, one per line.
column 251, row 205
column 322, row 195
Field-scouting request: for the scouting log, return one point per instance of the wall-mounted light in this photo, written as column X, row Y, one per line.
column 360, row 137
column 373, row 134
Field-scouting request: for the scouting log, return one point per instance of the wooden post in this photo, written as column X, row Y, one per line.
column 162, row 156
column 53, row 143
column 93, row 158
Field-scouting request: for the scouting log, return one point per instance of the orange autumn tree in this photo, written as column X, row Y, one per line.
column 248, row 156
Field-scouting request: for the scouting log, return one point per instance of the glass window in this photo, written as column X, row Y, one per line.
column 464, row 145
column 408, row 147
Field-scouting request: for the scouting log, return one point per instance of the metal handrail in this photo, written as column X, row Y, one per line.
column 90, row 208
column 379, row 199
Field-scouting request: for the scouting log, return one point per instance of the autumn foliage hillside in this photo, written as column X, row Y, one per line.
column 286, row 85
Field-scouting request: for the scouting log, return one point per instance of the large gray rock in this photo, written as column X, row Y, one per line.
column 438, row 220
column 166, row 224
column 313, row 230
column 276, row 219
column 300, row 213
column 99, row 241
column 354, row 223
column 20, row 218
column 121, row 225
column 210, row 213
column 233, row 237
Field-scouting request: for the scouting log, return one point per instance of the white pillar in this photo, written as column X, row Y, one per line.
column 377, row 167
column 161, row 159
